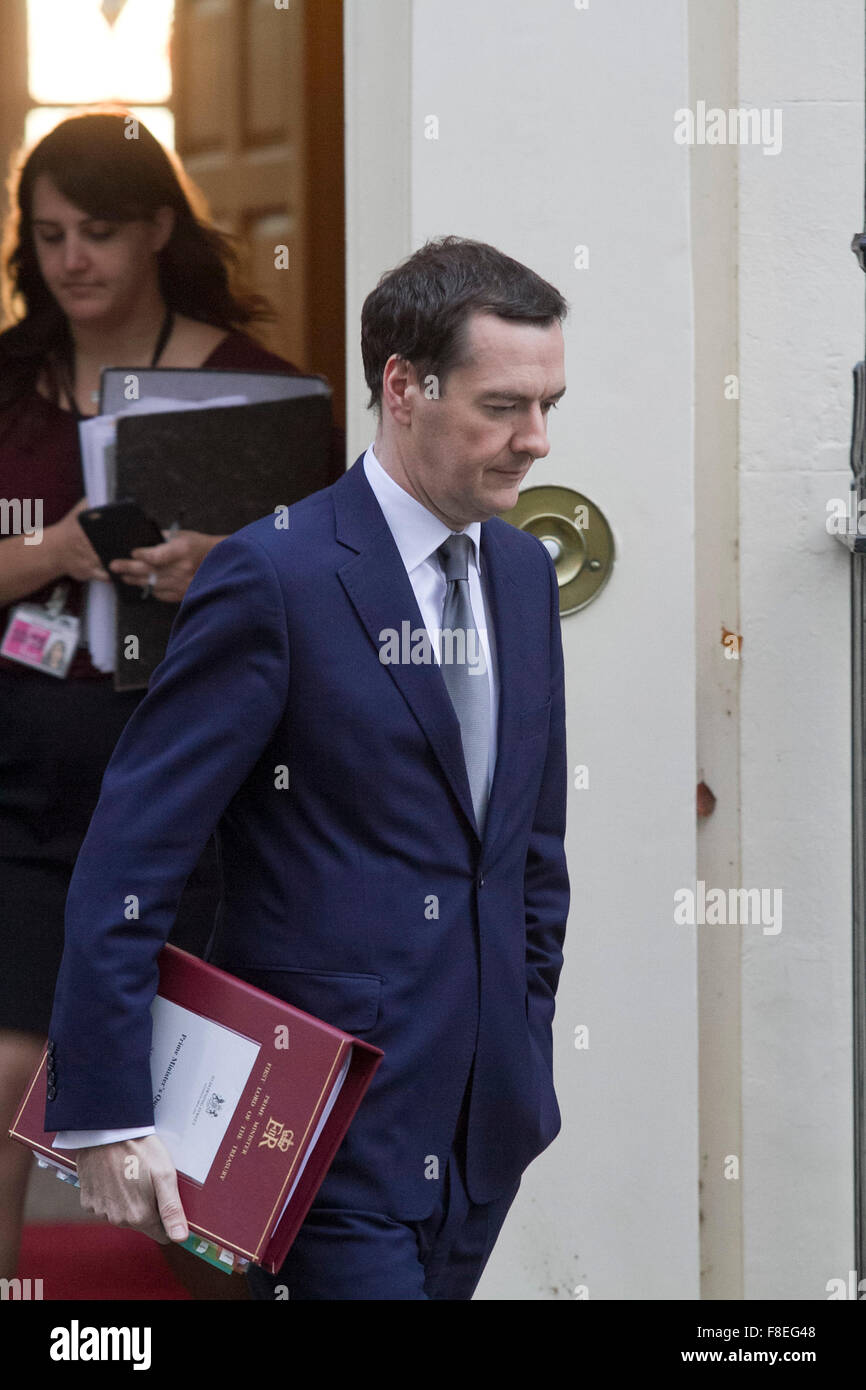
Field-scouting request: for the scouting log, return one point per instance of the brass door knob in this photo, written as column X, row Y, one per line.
column 577, row 536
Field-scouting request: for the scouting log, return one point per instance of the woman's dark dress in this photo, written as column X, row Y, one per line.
column 56, row 737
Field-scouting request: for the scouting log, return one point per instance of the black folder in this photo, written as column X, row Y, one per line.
column 212, row 470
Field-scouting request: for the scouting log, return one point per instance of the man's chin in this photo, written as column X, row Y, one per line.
column 502, row 494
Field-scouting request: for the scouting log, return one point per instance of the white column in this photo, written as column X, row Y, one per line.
column 801, row 330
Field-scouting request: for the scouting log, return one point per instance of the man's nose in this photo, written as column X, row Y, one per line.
column 531, row 438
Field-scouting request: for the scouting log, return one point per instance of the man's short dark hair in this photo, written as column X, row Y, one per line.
column 420, row 309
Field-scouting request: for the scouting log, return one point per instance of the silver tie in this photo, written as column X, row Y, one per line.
column 464, row 669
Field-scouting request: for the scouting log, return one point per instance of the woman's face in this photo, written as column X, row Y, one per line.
column 96, row 270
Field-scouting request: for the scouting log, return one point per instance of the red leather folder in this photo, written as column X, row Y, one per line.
column 240, row 1205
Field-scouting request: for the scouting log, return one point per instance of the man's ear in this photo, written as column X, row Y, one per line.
column 399, row 382
column 163, row 226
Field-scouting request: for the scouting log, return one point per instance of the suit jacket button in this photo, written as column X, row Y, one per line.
column 52, row 1092
column 52, row 1076
column 51, row 1049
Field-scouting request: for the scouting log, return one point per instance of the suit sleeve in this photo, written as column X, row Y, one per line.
column 210, row 711
column 546, row 886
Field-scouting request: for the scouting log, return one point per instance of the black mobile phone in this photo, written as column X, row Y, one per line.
column 114, row 531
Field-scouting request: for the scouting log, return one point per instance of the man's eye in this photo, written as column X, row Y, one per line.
column 102, row 233
column 549, row 405
column 49, row 240
column 501, row 408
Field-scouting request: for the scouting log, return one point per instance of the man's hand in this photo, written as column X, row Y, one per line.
column 134, row 1184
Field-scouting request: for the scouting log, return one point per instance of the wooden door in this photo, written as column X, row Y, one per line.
column 258, row 100
column 13, row 93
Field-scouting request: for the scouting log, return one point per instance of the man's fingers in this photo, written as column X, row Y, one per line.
column 170, row 1209
column 150, row 1203
column 136, row 1220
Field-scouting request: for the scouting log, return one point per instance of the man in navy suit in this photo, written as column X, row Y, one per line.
column 409, row 884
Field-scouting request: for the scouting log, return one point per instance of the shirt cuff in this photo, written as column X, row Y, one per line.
column 92, row 1138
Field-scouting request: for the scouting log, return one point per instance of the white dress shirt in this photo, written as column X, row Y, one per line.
column 417, row 534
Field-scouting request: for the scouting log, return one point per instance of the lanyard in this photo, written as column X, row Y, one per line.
column 69, row 366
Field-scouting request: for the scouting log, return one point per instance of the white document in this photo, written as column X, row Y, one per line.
column 200, row 384
column 97, row 459
column 199, row 1070
column 160, row 405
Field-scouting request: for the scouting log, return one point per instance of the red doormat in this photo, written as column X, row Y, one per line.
column 83, row 1260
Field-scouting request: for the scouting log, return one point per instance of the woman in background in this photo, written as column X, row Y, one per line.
column 106, row 263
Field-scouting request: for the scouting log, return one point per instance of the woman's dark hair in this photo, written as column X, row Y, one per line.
column 108, row 164
column 420, row 309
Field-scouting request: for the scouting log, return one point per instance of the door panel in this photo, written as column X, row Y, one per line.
column 258, row 104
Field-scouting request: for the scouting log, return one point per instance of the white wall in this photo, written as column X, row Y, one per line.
column 801, row 327
column 378, row 174
column 713, row 78
column 555, row 129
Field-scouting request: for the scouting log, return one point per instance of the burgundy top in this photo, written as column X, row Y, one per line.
column 39, row 458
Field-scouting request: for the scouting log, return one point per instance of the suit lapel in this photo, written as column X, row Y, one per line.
column 377, row 585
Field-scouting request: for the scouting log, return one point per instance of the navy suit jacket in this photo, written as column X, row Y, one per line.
column 362, row 892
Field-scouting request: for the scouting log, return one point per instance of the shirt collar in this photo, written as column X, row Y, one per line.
column 416, row 531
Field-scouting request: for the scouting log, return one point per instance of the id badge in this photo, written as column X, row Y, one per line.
column 42, row 637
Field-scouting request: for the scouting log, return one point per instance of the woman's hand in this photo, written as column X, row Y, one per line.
column 167, row 568
column 71, row 550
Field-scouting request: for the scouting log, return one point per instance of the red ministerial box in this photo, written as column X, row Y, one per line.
column 248, row 1097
